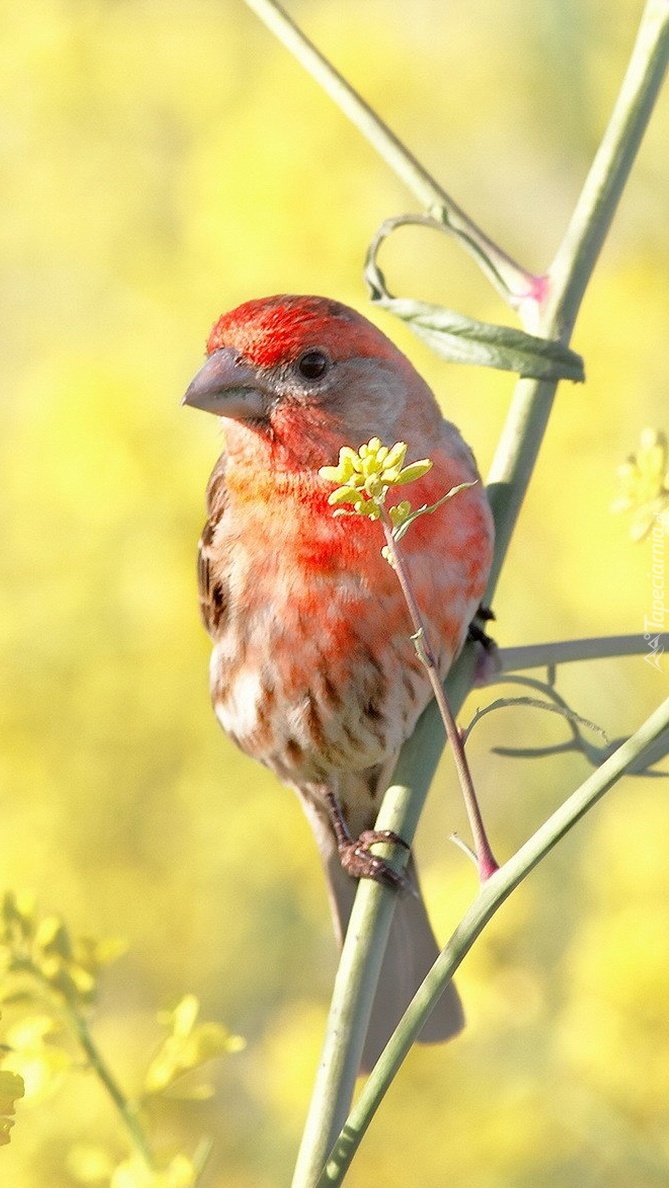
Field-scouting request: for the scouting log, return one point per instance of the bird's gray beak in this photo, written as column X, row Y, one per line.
column 228, row 387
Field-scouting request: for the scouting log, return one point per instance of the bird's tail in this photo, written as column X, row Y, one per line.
column 411, row 951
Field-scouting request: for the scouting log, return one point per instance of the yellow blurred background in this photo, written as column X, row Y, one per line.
column 162, row 162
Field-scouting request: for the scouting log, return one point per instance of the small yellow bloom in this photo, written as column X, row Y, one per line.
column 643, row 481
column 365, row 477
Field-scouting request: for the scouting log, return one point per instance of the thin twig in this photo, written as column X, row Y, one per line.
column 484, row 856
column 76, row 1022
column 125, row 1108
column 520, row 288
column 545, row 655
column 560, row 708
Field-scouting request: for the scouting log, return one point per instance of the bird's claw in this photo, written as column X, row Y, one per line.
column 487, row 663
column 358, row 861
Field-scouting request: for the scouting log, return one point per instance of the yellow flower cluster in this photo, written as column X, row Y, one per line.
column 365, row 477
column 643, row 480
column 44, row 948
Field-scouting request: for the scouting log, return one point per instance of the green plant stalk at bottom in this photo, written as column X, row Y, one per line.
column 352, row 998
column 491, row 896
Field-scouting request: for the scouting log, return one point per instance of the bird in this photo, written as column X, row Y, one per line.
column 313, row 670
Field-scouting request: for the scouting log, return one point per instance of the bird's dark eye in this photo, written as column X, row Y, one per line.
column 312, row 365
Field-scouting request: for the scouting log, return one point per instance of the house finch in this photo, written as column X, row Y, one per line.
column 313, row 670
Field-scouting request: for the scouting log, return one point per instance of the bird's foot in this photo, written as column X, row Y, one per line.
column 356, row 855
column 358, row 860
column 488, row 664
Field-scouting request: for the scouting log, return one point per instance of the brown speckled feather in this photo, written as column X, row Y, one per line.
column 212, row 583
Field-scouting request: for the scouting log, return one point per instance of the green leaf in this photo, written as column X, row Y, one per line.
column 11, row 1089
column 465, row 340
column 188, row 1045
column 18, row 915
column 427, row 509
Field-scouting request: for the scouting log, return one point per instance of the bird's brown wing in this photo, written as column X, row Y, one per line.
column 213, row 592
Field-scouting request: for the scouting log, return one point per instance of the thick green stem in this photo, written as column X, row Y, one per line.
column 352, row 997
column 571, row 269
column 577, row 255
column 366, row 938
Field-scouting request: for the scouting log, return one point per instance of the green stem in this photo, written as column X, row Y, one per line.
column 125, row 1108
column 577, row 255
column 366, row 938
column 77, row 1024
column 352, row 996
column 564, row 651
column 485, row 859
column 491, row 896
column 516, row 285
column 572, row 267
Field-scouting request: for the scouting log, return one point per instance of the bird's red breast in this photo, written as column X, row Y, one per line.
column 313, row 669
